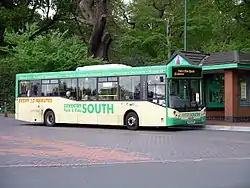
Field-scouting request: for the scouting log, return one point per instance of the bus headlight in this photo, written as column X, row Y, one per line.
column 177, row 114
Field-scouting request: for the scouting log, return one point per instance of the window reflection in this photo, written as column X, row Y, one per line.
column 29, row 88
column 156, row 89
column 24, row 89
column 214, row 90
column 87, row 88
column 108, row 88
column 50, row 88
column 130, row 88
column 68, row 88
column 184, row 93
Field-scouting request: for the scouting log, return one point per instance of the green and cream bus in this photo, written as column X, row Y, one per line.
column 163, row 95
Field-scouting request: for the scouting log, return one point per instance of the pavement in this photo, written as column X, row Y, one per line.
column 36, row 156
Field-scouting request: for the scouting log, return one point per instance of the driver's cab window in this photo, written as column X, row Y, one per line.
column 156, row 91
column 178, row 88
column 184, row 93
column 179, row 96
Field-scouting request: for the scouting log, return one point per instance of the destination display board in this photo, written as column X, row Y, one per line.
column 186, row 72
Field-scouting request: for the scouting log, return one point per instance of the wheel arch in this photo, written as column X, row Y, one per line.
column 126, row 113
column 48, row 109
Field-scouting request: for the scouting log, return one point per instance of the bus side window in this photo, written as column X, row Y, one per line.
column 68, row 88
column 108, row 88
column 49, row 88
column 29, row 88
column 156, row 89
column 129, row 88
column 22, row 91
column 36, row 88
column 87, row 88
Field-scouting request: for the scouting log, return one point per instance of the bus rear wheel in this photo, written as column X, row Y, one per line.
column 49, row 118
column 132, row 121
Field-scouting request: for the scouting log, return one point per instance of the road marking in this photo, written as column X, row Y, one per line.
column 125, row 162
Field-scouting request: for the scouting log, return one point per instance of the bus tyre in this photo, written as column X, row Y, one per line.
column 49, row 118
column 132, row 121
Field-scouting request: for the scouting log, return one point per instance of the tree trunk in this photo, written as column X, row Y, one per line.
column 2, row 29
column 95, row 14
column 100, row 39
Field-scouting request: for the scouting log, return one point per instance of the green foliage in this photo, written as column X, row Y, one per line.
column 220, row 25
column 138, row 31
column 147, row 42
column 7, row 85
column 52, row 52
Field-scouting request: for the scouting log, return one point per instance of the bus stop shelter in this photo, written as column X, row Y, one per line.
column 226, row 84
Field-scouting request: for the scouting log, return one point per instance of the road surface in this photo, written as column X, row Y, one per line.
column 37, row 156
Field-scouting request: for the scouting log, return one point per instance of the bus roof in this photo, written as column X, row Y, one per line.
column 124, row 71
column 105, row 66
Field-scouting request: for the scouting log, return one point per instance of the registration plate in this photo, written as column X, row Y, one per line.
column 191, row 121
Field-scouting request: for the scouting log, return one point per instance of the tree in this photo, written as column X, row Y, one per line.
column 212, row 26
column 54, row 52
column 146, row 40
column 4, row 4
column 237, row 10
column 95, row 13
column 223, row 32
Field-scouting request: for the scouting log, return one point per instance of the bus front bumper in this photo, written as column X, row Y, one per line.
column 183, row 122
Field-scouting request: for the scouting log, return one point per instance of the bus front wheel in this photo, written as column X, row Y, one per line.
column 49, row 118
column 132, row 121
